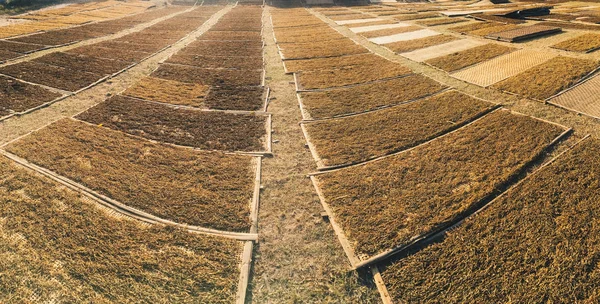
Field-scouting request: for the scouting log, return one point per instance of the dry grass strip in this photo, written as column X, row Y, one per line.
column 316, row 64
column 549, row 78
column 207, row 189
column 16, row 96
column 464, row 29
column 367, row 97
column 331, row 48
column 538, row 241
column 355, row 139
column 463, row 59
column 390, row 31
column 585, row 43
column 440, row 21
column 169, row 91
column 57, row 246
column 411, row 45
column 387, row 203
column 380, row 22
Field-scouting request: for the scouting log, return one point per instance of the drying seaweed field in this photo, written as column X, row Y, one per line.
column 277, row 151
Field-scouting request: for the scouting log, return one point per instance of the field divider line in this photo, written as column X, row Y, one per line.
column 245, row 268
column 421, row 240
column 122, row 208
column 383, row 291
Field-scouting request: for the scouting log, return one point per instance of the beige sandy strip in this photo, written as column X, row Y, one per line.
column 582, row 98
column 370, row 28
column 500, row 68
column 355, row 21
column 404, row 36
column 442, row 49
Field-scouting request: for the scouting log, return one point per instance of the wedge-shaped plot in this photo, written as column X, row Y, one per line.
column 206, row 130
column 582, row 98
column 207, row 189
column 169, row 91
column 216, row 62
column 213, row 77
column 17, row 96
column 52, row 76
column 377, row 27
column 368, row 59
column 310, row 50
column 361, row 98
column 82, row 62
column 524, row 33
column 50, row 234
column 411, row 45
column 585, row 43
column 354, row 139
column 537, row 241
column 549, row 78
column 418, row 34
column 386, row 205
column 350, row 75
column 500, row 68
column 442, row 49
column 459, row 60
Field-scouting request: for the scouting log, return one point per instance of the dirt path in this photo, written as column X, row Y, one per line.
column 298, row 259
column 19, row 126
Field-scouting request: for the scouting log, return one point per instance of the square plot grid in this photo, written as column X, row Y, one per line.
column 523, row 33
column 370, row 28
column 442, row 49
column 405, row 36
column 344, row 22
column 582, row 98
column 500, row 68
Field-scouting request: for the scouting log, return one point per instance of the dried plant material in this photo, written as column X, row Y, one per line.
column 411, row 45
column 440, row 21
column 82, row 62
column 16, row 96
column 107, row 53
column 367, row 59
column 223, row 48
column 572, row 25
column 204, row 130
column 549, row 78
column 405, row 17
column 212, row 77
column 524, row 33
column 52, row 76
column 350, row 17
column 368, row 97
column 464, row 29
column 352, row 139
column 208, row 189
column 349, row 75
column 536, row 242
column 380, row 22
column 390, row 31
column 387, row 203
column 18, row 47
column 236, row 98
column 232, row 35
column 331, row 48
column 169, row 91
column 494, row 29
column 218, row 62
column 61, row 246
column 585, row 43
column 463, row 59
column 500, row 19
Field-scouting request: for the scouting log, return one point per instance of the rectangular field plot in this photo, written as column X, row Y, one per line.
column 345, row 101
column 378, row 27
column 442, row 49
column 7, row 55
column 169, row 91
column 364, row 26
column 440, row 21
column 214, row 77
column 459, row 60
column 52, row 76
column 549, row 78
column 224, row 48
column 349, row 75
column 534, row 242
column 82, row 62
column 418, row 34
column 354, row 139
column 500, row 68
column 310, row 50
column 411, row 45
column 18, row 47
column 368, row 59
column 585, row 43
column 49, row 233
column 357, row 21
column 232, row 36
column 207, row 189
column 108, row 53
column 236, row 98
column 524, row 33
column 390, row 31
column 16, row 96
column 386, row 204
column 204, row 130
column 214, row 62
column 582, row 98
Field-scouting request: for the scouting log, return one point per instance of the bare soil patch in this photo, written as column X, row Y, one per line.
column 208, row 189
column 213, row 77
column 52, row 76
column 411, row 45
column 387, row 203
column 463, row 59
column 169, row 91
column 585, row 43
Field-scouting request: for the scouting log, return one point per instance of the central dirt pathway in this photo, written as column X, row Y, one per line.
column 298, row 258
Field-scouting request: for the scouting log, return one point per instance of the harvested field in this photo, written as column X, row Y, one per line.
column 390, row 31
column 82, row 62
column 321, row 49
column 425, row 189
column 169, row 91
column 204, row 130
column 237, row 98
column 165, row 181
column 18, row 47
column 440, row 21
column 106, row 53
column 585, row 43
column 380, row 22
column 214, row 62
column 232, row 35
column 466, row 58
column 541, row 233
column 349, row 75
column 367, row 97
column 349, row 140
column 223, row 48
column 411, row 45
column 138, row 47
column 549, row 78
column 49, row 75
column 341, row 62
column 53, row 38
column 464, row 29
column 524, row 33
column 213, row 77
column 16, row 96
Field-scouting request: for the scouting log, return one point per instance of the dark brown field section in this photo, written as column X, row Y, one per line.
column 334, row 62
column 236, row 98
column 539, row 241
column 140, row 47
column 199, row 129
column 18, row 47
column 523, row 33
column 7, row 55
column 387, row 203
column 350, row 75
column 367, row 97
column 214, row 62
column 52, row 76
column 16, row 96
column 223, row 48
column 214, row 77
column 208, row 189
column 232, row 35
column 82, row 62
column 355, row 139
column 108, row 53
column 63, row 245
column 58, row 37
column 310, row 50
